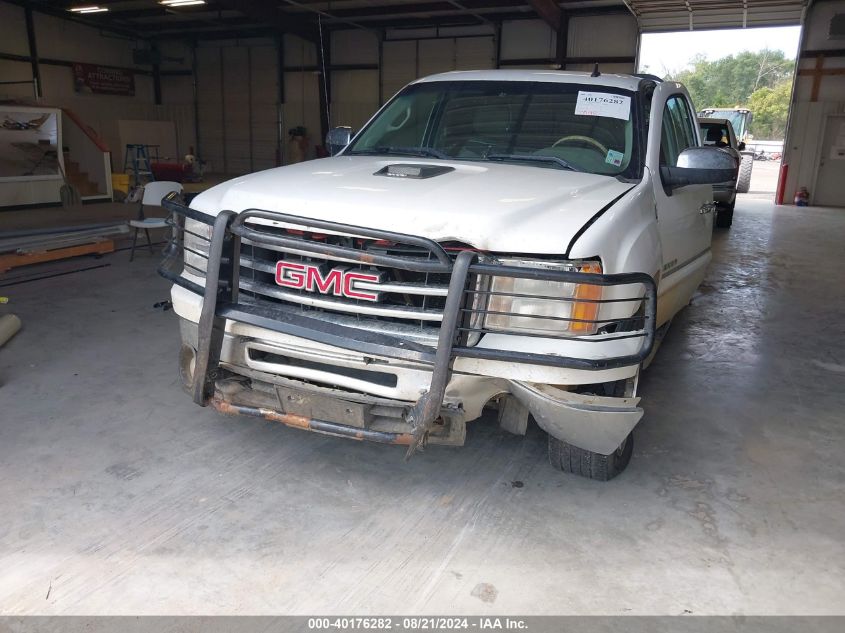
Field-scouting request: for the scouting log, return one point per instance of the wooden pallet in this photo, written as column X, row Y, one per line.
column 15, row 260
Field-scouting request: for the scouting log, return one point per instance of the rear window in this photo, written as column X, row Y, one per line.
column 715, row 134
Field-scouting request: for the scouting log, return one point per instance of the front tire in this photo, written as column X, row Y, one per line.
column 743, row 180
column 725, row 216
column 570, row 459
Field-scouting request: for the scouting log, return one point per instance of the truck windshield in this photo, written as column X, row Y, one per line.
column 551, row 125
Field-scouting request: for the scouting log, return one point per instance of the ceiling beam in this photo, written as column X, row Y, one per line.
column 549, row 11
column 267, row 12
column 417, row 8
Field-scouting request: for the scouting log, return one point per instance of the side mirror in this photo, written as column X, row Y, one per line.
column 700, row 166
column 338, row 138
column 741, row 146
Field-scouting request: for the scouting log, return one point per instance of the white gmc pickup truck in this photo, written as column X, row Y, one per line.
column 501, row 238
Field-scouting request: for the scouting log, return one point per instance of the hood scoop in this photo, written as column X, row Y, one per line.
column 413, row 170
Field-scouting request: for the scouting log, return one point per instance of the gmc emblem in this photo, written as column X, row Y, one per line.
column 340, row 282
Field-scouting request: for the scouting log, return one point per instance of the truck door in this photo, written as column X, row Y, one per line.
column 684, row 214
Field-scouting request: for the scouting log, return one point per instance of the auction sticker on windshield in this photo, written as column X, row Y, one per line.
column 603, row 104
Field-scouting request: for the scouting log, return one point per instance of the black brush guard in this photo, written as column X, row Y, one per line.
column 220, row 303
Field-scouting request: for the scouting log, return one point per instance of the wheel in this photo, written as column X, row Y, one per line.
column 743, row 179
column 571, row 459
column 725, row 216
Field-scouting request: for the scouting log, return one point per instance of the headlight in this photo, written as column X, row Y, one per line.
column 522, row 304
column 196, row 243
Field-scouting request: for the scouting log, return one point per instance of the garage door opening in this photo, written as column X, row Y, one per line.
column 742, row 75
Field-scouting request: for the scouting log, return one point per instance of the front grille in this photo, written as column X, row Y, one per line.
column 414, row 300
column 407, row 297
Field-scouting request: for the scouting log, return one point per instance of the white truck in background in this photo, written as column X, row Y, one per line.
column 508, row 238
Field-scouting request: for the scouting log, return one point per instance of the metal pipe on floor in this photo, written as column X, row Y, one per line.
column 10, row 324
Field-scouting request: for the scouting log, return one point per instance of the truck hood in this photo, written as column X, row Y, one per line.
column 490, row 206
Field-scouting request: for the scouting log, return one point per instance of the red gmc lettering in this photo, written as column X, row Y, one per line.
column 331, row 283
column 349, row 290
column 339, row 282
column 290, row 274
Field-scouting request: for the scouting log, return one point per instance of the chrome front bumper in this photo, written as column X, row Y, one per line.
column 283, row 394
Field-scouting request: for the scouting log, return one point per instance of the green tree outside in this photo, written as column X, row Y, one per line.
column 771, row 110
column 760, row 81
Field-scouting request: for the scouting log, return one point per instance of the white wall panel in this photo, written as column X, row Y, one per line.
column 354, row 47
column 177, row 89
column 475, row 53
column 237, row 111
column 238, row 90
column 16, row 71
column 265, row 106
column 210, row 108
column 527, row 39
column 808, row 117
column 13, row 38
column 436, row 56
column 607, row 35
column 354, row 97
column 61, row 39
column 407, row 60
column 399, row 66
column 299, row 52
column 302, row 107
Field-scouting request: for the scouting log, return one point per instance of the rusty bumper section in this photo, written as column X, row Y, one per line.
column 329, row 412
column 309, row 424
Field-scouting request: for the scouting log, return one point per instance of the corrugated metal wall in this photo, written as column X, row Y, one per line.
column 238, row 114
column 410, row 57
column 355, row 93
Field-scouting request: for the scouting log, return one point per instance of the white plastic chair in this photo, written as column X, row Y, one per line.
column 153, row 194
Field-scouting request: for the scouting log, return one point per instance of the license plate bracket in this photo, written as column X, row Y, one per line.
column 320, row 407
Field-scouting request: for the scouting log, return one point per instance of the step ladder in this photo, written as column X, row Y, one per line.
column 137, row 161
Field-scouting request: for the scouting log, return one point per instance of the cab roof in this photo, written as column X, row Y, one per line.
column 625, row 82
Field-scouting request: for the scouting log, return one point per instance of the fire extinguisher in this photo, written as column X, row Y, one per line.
column 802, row 197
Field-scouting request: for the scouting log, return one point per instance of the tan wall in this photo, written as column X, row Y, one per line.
column 68, row 41
column 807, row 119
column 237, row 80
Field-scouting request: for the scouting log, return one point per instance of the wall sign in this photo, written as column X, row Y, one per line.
column 106, row 80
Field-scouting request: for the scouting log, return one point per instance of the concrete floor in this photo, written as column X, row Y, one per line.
column 119, row 496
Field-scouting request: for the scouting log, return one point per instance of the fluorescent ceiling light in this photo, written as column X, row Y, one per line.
column 180, row 3
column 88, row 9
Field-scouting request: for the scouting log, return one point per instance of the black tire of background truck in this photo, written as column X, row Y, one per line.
column 724, row 216
column 743, row 180
column 571, row 459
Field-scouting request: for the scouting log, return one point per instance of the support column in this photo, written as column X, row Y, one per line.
column 562, row 41
column 280, row 106
column 33, row 52
column 195, row 88
column 156, row 73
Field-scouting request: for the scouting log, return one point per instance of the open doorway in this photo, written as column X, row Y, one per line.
column 743, row 75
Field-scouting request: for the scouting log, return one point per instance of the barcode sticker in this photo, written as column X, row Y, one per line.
column 603, row 104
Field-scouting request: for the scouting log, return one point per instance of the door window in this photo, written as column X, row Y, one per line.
column 678, row 132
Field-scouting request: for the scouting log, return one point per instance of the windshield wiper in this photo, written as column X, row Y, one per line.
column 533, row 158
column 401, row 151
